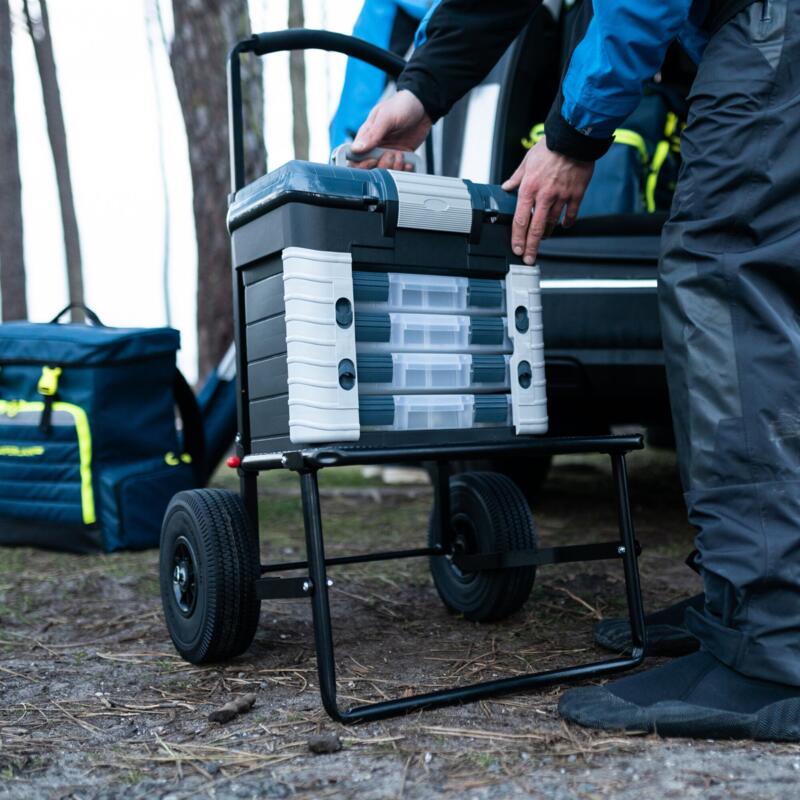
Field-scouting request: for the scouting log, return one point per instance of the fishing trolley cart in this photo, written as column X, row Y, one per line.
column 380, row 318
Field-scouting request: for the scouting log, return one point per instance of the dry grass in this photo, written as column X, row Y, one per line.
column 94, row 696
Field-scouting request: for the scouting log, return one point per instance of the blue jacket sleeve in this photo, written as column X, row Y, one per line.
column 363, row 84
column 623, row 46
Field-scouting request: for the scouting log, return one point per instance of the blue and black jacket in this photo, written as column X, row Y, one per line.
column 390, row 24
column 621, row 46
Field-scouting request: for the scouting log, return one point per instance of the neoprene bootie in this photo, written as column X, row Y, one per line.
column 667, row 634
column 694, row 696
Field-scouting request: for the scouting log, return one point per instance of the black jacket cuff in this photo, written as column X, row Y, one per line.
column 425, row 90
column 569, row 141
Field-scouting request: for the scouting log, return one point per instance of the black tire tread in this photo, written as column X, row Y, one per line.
column 232, row 568
column 513, row 528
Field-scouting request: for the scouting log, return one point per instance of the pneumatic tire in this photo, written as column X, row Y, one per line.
column 489, row 514
column 209, row 565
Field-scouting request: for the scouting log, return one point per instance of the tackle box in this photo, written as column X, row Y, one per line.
column 383, row 308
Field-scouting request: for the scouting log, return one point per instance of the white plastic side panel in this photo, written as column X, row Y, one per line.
column 320, row 410
column 528, row 405
column 432, row 202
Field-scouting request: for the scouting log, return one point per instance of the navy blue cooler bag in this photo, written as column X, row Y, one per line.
column 90, row 453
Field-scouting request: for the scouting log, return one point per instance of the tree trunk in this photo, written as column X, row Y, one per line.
column 39, row 29
column 12, row 260
column 297, row 79
column 204, row 34
column 152, row 19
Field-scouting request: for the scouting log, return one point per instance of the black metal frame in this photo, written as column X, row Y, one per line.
column 315, row 585
column 307, row 463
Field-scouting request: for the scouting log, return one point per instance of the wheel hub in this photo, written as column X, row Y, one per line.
column 463, row 542
column 184, row 576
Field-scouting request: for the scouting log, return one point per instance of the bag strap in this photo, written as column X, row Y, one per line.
column 89, row 314
column 194, row 440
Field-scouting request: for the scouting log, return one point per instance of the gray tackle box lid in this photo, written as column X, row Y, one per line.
column 343, row 187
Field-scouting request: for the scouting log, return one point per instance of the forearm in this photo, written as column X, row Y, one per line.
column 461, row 41
column 621, row 46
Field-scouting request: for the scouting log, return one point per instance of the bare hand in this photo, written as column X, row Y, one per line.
column 399, row 124
column 548, row 183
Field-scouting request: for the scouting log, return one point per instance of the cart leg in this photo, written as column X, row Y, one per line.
column 320, row 605
column 248, row 487
column 441, row 488
column 628, row 552
column 323, row 635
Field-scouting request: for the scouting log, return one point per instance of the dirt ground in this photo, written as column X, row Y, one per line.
column 96, row 703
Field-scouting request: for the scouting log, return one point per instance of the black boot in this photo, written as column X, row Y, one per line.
column 694, row 696
column 666, row 633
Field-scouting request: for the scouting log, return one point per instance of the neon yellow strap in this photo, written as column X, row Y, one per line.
column 632, row 139
column 11, row 408
column 671, row 124
column 48, row 383
column 670, row 142
column 621, row 136
column 660, row 156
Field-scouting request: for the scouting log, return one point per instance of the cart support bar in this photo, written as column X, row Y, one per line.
column 545, row 555
column 389, row 555
column 283, row 588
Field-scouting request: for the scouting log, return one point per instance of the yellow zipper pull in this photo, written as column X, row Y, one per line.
column 48, row 383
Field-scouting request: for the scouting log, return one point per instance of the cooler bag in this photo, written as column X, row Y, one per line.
column 90, row 453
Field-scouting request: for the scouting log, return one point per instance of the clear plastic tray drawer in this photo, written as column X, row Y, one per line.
column 454, row 333
column 386, row 373
column 400, row 291
column 427, row 412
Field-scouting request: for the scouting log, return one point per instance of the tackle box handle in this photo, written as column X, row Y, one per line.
column 344, row 153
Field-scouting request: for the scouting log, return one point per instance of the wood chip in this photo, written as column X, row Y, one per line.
column 232, row 709
column 321, row 743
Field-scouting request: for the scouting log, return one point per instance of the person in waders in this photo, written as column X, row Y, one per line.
column 729, row 293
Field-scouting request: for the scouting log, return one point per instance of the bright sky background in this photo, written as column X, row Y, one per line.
column 109, row 100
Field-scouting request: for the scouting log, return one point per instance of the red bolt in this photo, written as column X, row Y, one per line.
column 234, row 462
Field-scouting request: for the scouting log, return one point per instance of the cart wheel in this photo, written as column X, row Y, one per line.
column 209, row 564
column 528, row 472
column 489, row 514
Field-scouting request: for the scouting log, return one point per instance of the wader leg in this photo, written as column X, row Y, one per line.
column 730, row 312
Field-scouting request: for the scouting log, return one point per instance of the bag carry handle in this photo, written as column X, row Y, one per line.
column 194, row 438
column 89, row 314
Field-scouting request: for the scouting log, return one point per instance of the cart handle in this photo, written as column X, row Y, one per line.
column 262, row 44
